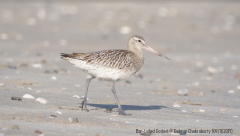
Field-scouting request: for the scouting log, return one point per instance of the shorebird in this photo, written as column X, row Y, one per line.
column 111, row 65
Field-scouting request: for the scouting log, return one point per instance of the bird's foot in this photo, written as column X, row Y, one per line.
column 84, row 104
column 121, row 112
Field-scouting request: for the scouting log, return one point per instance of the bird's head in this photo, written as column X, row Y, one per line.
column 139, row 43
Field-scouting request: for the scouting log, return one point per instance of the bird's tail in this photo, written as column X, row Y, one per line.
column 65, row 55
column 74, row 55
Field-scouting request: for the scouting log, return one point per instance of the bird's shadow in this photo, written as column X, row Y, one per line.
column 129, row 107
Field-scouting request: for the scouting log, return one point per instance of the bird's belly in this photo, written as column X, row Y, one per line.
column 104, row 73
column 111, row 73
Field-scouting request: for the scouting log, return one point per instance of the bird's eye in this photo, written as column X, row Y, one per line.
column 139, row 40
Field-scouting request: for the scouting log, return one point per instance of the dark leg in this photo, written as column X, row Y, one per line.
column 84, row 102
column 121, row 112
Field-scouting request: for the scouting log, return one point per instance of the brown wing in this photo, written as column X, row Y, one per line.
column 110, row 58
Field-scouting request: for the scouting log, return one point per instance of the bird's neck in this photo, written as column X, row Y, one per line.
column 136, row 51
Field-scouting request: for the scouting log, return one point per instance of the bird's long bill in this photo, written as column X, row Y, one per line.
column 155, row 52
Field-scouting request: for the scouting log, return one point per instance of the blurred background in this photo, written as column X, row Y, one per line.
column 172, row 26
column 202, row 34
column 202, row 37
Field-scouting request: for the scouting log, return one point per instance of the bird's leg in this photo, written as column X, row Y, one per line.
column 121, row 112
column 84, row 102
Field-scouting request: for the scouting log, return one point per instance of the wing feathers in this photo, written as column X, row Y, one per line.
column 109, row 58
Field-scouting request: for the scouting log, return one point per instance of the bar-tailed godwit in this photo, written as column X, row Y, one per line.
column 111, row 65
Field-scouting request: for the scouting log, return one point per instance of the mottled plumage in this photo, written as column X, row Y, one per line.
column 108, row 58
column 107, row 64
column 112, row 65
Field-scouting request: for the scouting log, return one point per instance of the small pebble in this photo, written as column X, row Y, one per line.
column 176, row 105
column 4, row 36
column 201, row 110
column 196, row 84
column 238, row 87
column 235, row 116
column 125, row 30
column 184, row 111
column 28, row 96
column 212, row 70
column 70, row 120
column 183, row 92
column 58, row 112
column 38, row 132
column 55, row 71
column 54, row 78
column 1, row 84
column 12, row 67
column 37, row 65
column 78, row 85
column 16, row 98
column 234, row 67
column 42, row 100
column 53, row 115
column 41, row 14
column 223, row 109
column 43, row 61
column 231, row 91
column 76, row 96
